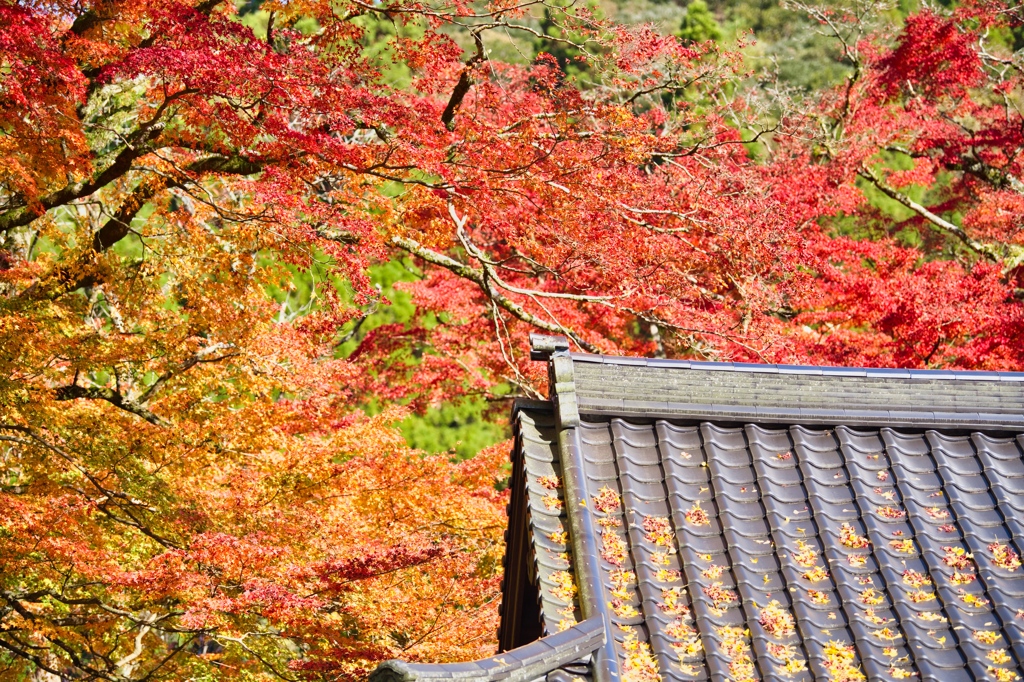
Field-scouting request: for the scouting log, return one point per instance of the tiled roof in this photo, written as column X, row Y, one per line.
column 528, row 662
column 548, row 550
column 745, row 522
column 821, row 544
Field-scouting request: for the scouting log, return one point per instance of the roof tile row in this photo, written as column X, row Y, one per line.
column 798, row 553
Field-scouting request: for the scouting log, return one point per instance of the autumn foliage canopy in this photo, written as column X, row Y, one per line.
column 200, row 470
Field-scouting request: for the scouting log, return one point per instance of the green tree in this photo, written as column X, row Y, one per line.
column 698, row 24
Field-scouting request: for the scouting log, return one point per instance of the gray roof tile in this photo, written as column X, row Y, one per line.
column 779, row 522
column 877, row 512
column 851, row 532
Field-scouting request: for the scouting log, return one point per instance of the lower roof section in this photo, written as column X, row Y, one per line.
column 792, row 552
column 534, row 661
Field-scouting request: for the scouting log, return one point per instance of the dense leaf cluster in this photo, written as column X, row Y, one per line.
column 240, row 244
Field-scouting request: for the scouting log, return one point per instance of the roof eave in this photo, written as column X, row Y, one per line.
column 524, row 664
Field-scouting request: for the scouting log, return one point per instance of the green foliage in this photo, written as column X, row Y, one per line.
column 698, row 24
column 378, row 43
column 663, row 14
column 551, row 24
column 461, row 428
column 393, row 306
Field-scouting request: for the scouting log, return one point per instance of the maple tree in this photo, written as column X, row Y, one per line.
column 930, row 123
column 191, row 209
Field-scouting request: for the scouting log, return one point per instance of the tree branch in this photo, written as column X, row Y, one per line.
column 201, row 356
column 990, row 251
column 489, row 271
column 117, row 228
column 462, row 87
column 24, row 215
column 484, row 282
column 36, row 660
column 125, row 666
column 240, row 641
column 82, row 272
column 111, row 396
column 90, row 18
column 996, row 177
column 136, row 146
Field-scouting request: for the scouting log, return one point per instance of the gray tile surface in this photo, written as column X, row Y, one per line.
column 550, row 556
column 923, row 514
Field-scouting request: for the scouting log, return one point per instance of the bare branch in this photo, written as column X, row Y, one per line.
column 993, row 252
column 484, row 282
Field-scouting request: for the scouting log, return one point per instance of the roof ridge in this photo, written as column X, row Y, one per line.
column 806, row 370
